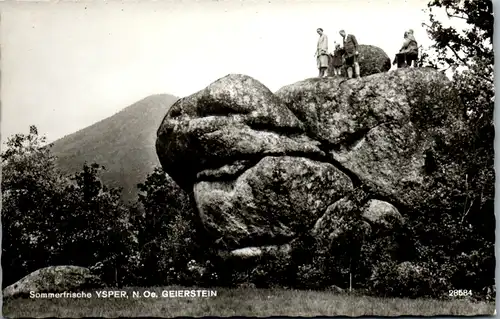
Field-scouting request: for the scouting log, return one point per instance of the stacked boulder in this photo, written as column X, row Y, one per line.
column 266, row 168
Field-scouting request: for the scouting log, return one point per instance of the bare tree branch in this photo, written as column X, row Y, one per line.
column 467, row 212
column 450, row 15
column 457, row 55
column 458, row 10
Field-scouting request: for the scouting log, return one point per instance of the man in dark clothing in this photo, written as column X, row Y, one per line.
column 351, row 53
column 400, row 60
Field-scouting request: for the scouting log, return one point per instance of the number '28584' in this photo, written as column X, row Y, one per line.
column 460, row 293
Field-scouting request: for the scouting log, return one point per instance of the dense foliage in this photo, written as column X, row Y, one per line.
column 459, row 242
column 51, row 219
column 169, row 246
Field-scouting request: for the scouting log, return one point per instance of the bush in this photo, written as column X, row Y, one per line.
column 169, row 241
column 409, row 279
column 272, row 270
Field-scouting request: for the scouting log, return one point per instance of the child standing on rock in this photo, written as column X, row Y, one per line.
column 337, row 60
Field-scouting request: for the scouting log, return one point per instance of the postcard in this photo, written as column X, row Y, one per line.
column 247, row 158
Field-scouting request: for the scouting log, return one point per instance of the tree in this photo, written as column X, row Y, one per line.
column 29, row 182
column 473, row 43
column 469, row 51
column 167, row 230
column 97, row 227
column 465, row 47
column 51, row 219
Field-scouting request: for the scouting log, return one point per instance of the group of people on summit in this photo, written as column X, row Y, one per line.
column 347, row 55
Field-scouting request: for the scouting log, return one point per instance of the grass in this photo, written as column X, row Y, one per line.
column 242, row 302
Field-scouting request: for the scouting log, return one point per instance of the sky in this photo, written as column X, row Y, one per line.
column 66, row 65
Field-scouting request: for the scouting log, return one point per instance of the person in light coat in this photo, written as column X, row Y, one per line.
column 322, row 53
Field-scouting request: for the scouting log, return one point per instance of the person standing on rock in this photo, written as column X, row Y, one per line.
column 337, row 60
column 351, row 53
column 322, row 53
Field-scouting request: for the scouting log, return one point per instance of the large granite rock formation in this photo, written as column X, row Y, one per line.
column 371, row 59
column 265, row 168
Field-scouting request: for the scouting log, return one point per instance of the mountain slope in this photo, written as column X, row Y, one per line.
column 123, row 143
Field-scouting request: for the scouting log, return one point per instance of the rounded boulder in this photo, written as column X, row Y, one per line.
column 371, row 59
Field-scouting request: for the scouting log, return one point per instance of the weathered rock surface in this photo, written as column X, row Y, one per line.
column 267, row 167
column 252, row 252
column 362, row 223
column 380, row 127
column 54, row 279
column 226, row 128
column 382, row 214
column 371, row 59
column 340, row 219
column 271, row 201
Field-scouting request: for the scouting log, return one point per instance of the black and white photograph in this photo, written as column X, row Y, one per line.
column 230, row 158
